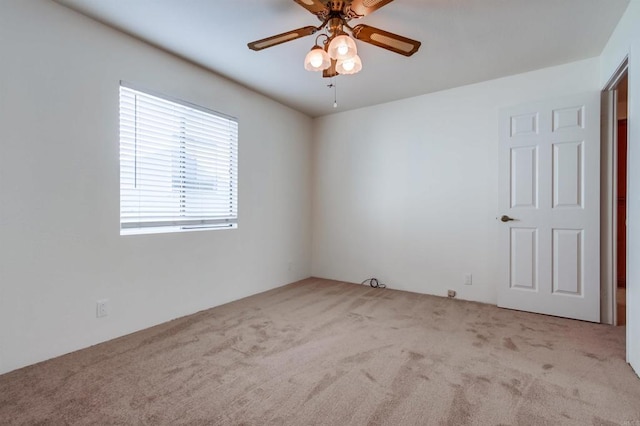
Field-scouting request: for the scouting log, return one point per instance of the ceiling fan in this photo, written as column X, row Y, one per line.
column 339, row 52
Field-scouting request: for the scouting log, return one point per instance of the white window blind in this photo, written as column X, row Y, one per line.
column 178, row 165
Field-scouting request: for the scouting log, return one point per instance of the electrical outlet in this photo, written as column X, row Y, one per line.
column 102, row 308
column 468, row 279
column 451, row 293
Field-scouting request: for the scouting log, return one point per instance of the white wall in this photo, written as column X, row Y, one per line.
column 60, row 248
column 407, row 191
column 625, row 41
column 404, row 191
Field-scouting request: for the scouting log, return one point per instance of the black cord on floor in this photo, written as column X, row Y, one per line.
column 373, row 282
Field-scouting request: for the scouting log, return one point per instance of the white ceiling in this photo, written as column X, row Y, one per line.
column 463, row 42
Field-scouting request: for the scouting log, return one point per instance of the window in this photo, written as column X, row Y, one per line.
column 178, row 165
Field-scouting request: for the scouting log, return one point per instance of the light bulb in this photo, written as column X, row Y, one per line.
column 348, row 65
column 316, row 60
column 342, row 47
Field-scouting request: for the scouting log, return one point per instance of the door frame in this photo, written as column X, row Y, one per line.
column 608, row 200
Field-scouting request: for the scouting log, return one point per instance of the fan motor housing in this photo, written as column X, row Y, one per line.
column 339, row 9
column 337, row 5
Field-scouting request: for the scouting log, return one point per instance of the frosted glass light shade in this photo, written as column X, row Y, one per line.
column 317, row 59
column 349, row 66
column 342, row 47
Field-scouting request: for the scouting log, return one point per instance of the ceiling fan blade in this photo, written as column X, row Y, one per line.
column 361, row 8
column 314, row 6
column 393, row 42
column 281, row 38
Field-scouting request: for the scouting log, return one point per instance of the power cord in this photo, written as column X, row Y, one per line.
column 373, row 282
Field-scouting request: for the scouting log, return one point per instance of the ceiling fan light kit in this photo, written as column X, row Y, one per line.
column 340, row 53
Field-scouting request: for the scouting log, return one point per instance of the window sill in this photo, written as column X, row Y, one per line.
column 174, row 229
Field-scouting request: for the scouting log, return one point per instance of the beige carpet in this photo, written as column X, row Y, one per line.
column 320, row 352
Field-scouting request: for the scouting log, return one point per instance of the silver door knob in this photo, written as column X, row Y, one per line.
column 506, row 218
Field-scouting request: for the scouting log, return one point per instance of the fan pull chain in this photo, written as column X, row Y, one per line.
column 335, row 93
column 334, row 86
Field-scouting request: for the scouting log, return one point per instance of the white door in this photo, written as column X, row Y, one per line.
column 549, row 200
